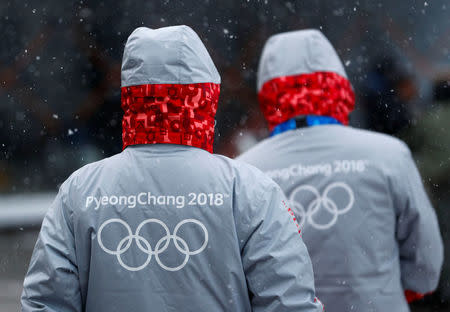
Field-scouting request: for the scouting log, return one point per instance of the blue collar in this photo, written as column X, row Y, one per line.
column 304, row 121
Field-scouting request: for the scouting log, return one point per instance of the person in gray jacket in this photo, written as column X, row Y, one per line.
column 165, row 225
column 365, row 217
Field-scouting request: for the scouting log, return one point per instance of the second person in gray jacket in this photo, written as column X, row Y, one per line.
column 365, row 217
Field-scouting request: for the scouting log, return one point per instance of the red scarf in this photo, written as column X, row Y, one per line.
column 170, row 113
column 319, row 93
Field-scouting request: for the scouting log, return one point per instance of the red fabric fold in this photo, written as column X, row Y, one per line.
column 319, row 93
column 412, row 296
column 170, row 113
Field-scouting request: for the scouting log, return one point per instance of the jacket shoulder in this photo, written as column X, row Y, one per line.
column 349, row 138
column 247, row 173
column 79, row 176
column 377, row 142
column 260, row 148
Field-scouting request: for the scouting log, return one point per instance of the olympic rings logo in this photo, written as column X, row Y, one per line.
column 309, row 212
column 144, row 245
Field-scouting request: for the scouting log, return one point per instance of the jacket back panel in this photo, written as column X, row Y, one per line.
column 337, row 180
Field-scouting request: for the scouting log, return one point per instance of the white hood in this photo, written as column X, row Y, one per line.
column 295, row 53
column 169, row 55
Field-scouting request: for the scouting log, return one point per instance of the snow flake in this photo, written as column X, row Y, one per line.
column 338, row 12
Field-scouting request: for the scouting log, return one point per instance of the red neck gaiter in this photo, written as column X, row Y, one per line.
column 319, row 93
column 170, row 113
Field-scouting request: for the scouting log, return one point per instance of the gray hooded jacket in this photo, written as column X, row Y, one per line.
column 366, row 219
column 166, row 227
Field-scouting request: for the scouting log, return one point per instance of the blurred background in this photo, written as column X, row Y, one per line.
column 60, row 91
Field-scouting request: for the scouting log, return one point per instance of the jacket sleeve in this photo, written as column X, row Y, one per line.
column 275, row 260
column 418, row 235
column 51, row 283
